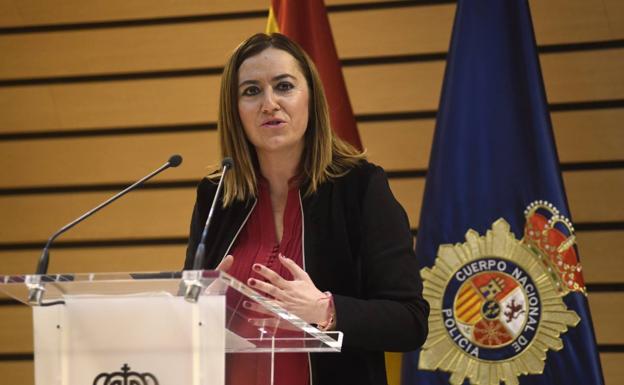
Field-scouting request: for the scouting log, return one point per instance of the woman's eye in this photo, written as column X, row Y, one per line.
column 250, row 91
column 284, row 86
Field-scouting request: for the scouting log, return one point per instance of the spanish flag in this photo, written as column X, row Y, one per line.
column 306, row 23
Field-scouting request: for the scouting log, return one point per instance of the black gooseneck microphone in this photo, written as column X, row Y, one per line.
column 200, row 253
column 35, row 294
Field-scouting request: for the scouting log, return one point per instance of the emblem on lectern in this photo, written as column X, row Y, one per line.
column 496, row 301
column 125, row 377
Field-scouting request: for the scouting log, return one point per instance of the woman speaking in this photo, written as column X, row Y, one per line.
column 305, row 219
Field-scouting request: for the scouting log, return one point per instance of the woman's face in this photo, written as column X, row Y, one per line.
column 273, row 101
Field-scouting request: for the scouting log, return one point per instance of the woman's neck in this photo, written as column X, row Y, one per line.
column 279, row 168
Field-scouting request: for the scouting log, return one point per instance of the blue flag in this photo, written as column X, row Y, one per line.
column 493, row 154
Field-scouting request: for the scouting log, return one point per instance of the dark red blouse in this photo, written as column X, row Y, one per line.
column 257, row 243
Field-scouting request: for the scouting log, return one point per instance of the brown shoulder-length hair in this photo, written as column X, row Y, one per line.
column 325, row 156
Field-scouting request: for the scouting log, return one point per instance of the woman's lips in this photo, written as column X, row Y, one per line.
column 273, row 123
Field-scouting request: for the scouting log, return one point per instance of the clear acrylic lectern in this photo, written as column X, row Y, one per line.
column 191, row 327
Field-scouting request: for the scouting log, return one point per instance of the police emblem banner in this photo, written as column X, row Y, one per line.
column 493, row 155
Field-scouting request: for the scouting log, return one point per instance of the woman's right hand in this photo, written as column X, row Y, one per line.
column 225, row 263
column 218, row 286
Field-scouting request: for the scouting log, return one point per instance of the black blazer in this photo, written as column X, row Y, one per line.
column 357, row 245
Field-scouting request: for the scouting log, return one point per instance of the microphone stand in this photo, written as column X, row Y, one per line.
column 194, row 289
column 35, row 293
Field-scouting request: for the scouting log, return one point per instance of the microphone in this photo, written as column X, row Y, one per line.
column 200, row 253
column 35, row 294
column 174, row 160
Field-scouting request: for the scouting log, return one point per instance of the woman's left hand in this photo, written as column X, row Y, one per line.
column 299, row 296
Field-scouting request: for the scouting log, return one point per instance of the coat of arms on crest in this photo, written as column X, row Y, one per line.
column 496, row 301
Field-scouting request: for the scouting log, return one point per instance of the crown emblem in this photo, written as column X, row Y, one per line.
column 553, row 235
column 125, row 377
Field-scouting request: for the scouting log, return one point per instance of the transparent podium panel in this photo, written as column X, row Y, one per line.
column 191, row 327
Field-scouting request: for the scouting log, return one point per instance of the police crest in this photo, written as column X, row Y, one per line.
column 496, row 301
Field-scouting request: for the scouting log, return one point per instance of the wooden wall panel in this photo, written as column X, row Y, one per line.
column 589, row 200
column 592, row 135
column 585, row 75
column 141, row 214
column 595, row 196
column 119, row 50
column 582, row 136
column 607, row 322
column 394, row 87
column 109, row 104
column 18, row 114
column 562, row 21
column 405, row 145
column 382, row 32
column 602, row 255
column 409, row 192
column 427, row 29
column 614, row 10
column 612, row 368
column 364, row 33
column 413, row 86
column 97, row 260
column 398, row 145
column 106, row 159
column 16, row 329
column 207, row 44
column 36, row 12
column 568, row 77
column 17, row 372
column 154, row 213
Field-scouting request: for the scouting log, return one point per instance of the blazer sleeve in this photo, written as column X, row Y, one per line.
column 393, row 314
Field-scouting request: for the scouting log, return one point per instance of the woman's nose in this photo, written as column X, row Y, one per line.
column 269, row 102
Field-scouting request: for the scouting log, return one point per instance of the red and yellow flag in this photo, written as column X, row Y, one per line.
column 306, row 23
